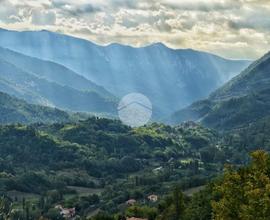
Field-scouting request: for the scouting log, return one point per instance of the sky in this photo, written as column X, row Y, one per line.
column 234, row 29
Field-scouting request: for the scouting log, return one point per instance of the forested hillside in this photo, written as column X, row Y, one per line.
column 13, row 110
column 102, row 166
column 238, row 194
column 50, row 84
column 242, row 101
column 63, row 163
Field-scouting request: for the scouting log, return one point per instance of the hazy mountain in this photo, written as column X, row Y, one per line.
column 170, row 78
column 51, row 71
column 34, row 89
column 14, row 110
column 243, row 100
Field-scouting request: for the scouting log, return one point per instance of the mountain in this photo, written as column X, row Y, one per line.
column 52, row 72
column 38, row 90
column 14, row 110
column 170, row 78
column 240, row 102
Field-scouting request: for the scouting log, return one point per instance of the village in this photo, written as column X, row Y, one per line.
column 70, row 213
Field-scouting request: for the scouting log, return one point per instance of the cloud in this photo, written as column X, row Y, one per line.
column 256, row 18
column 202, row 5
column 8, row 12
column 76, row 10
column 232, row 28
column 43, row 17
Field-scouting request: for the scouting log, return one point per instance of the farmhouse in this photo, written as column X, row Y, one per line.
column 66, row 213
column 153, row 198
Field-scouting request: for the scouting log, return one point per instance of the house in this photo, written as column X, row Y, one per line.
column 67, row 213
column 153, row 198
column 158, row 170
column 58, row 207
column 131, row 202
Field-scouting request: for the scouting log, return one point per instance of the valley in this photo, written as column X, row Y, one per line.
column 171, row 79
column 65, row 155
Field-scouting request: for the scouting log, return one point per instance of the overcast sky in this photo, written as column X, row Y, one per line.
column 231, row 28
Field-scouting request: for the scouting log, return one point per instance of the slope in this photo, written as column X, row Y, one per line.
column 52, row 72
column 41, row 91
column 170, row 78
column 243, row 100
column 13, row 110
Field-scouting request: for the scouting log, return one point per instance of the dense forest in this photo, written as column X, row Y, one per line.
column 101, row 166
column 240, row 193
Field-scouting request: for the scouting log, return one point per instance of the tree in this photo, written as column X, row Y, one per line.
column 199, row 208
column 178, row 199
column 54, row 214
column 174, row 206
column 5, row 207
column 244, row 194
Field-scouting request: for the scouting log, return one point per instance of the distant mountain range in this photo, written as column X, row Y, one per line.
column 242, row 101
column 50, row 84
column 172, row 79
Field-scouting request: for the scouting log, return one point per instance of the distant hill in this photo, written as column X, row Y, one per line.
column 13, row 110
column 52, row 72
column 52, row 85
column 170, row 78
column 240, row 102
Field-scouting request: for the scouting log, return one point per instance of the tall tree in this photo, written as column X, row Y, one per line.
column 244, row 194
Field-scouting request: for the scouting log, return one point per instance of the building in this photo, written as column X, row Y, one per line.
column 131, row 202
column 66, row 212
column 153, row 198
column 157, row 170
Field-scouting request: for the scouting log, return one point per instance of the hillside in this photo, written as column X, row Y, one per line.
column 99, row 164
column 39, row 90
column 103, row 156
column 243, row 100
column 13, row 110
column 52, row 72
column 170, row 78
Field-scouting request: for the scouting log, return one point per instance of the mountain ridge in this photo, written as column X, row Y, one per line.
column 38, row 90
column 240, row 102
column 160, row 73
column 51, row 71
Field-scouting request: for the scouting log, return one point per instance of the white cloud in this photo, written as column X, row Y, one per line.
column 43, row 17
column 232, row 28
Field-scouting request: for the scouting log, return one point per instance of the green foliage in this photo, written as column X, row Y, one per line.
column 146, row 212
column 242, row 101
column 104, row 155
column 174, row 206
column 199, row 207
column 244, row 194
column 14, row 110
